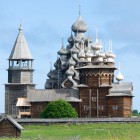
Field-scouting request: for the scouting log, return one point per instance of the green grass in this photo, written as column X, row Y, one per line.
column 97, row 131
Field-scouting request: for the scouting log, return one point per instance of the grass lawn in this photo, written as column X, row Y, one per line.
column 95, row 131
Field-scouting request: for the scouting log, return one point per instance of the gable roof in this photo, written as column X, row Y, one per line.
column 42, row 95
column 17, row 125
column 23, row 102
column 20, row 49
column 121, row 89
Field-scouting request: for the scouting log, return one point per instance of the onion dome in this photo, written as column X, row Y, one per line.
column 63, row 63
column 68, row 47
column 71, row 39
column 63, row 58
column 110, row 54
column 101, row 54
column 89, row 39
column 51, row 71
column 79, row 25
column 48, row 84
column 62, row 51
column 81, row 54
column 77, row 39
column 54, row 74
column 50, row 74
column 71, row 62
column 89, row 53
column 74, row 49
column 57, row 64
column 119, row 77
column 97, row 45
column 100, row 59
column 69, row 72
column 52, row 81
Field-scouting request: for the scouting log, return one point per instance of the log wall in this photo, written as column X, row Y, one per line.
column 18, row 76
column 127, row 106
column 94, row 102
column 12, row 92
column 38, row 107
column 119, row 106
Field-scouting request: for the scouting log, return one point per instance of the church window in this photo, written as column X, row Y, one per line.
column 86, row 108
column 101, row 107
column 39, row 108
column 114, row 107
column 94, row 99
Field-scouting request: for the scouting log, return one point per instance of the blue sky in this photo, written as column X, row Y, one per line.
column 45, row 22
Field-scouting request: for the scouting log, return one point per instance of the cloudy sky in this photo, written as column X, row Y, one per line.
column 45, row 22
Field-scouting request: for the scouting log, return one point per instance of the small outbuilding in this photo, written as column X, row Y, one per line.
column 9, row 127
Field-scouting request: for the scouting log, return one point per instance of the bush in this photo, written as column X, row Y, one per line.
column 59, row 109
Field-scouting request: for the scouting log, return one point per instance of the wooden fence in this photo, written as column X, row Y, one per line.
column 79, row 120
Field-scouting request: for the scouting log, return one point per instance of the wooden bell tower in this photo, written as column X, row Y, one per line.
column 20, row 74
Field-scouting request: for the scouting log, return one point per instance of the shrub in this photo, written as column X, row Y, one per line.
column 59, row 109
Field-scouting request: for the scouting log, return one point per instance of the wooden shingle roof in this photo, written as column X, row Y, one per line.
column 17, row 125
column 41, row 95
column 20, row 49
column 121, row 89
column 23, row 102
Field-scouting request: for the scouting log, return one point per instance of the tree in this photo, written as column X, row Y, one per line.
column 59, row 109
column 135, row 113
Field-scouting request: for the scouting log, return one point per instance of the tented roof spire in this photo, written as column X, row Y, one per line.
column 20, row 49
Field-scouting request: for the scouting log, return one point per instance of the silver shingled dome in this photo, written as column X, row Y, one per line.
column 79, row 25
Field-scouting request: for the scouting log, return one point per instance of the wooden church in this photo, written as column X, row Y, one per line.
column 83, row 76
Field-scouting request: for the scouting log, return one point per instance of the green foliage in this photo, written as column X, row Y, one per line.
column 59, row 109
column 135, row 113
